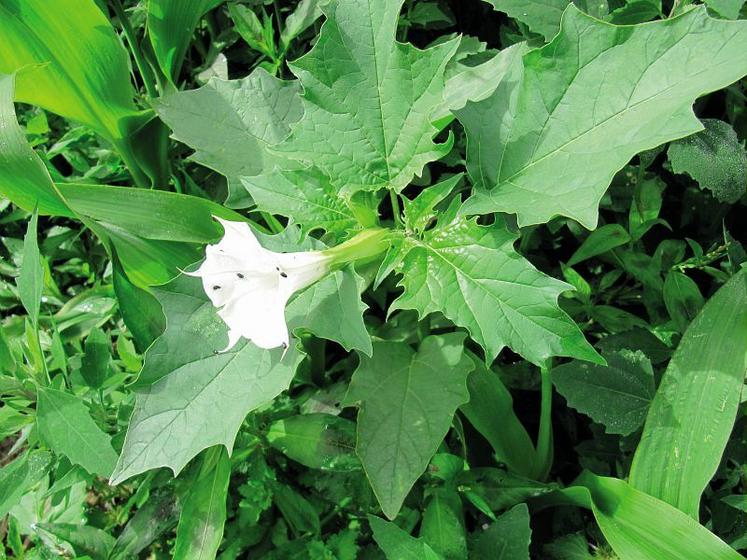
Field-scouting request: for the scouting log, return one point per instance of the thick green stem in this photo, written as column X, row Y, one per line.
column 367, row 244
column 394, row 199
column 544, row 435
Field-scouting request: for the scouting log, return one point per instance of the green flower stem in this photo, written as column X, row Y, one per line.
column 367, row 244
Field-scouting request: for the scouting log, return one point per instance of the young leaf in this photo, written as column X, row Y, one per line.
column 203, row 515
column 85, row 540
column 407, row 401
column 490, row 411
column 170, row 25
column 368, row 100
column 443, row 525
column 600, row 241
column 616, row 395
column 398, row 545
column 682, row 298
column 474, row 276
column 238, row 146
column 94, row 366
column 18, row 476
column 507, row 538
column 31, row 280
column 67, row 427
column 715, row 158
column 548, row 141
column 693, row 412
column 541, row 16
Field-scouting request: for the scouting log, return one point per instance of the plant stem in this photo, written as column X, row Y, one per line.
column 544, row 435
column 367, row 244
column 394, row 199
column 142, row 66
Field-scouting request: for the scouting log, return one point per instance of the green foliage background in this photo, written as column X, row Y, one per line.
column 547, row 361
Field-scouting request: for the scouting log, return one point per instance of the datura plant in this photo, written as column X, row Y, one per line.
column 403, row 279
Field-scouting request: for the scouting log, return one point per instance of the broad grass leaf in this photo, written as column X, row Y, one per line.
column 715, row 158
column 474, row 276
column 70, row 61
column 170, row 25
column 617, row 395
column 549, row 140
column 397, row 544
column 407, row 400
column 231, row 124
column 693, row 412
column 639, row 526
column 203, row 514
column 368, row 100
column 66, row 426
column 507, row 538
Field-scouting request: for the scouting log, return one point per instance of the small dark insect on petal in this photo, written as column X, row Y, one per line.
column 284, row 275
column 216, row 287
column 284, row 345
column 240, row 275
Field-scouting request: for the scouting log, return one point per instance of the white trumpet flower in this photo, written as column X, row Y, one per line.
column 251, row 285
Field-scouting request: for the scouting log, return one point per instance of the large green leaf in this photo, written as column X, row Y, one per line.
column 193, row 397
column 67, row 427
column 232, row 123
column 474, row 276
column 170, row 25
column 693, row 411
column 203, row 515
column 71, row 62
column 638, row 526
column 550, row 138
column 368, row 100
column 407, row 401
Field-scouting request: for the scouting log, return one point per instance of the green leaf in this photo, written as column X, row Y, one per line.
column 297, row 510
column 541, row 16
column 397, row 544
column 18, row 477
column 507, row 538
column 305, row 195
column 640, row 527
column 318, row 441
column 203, row 515
column 170, row 25
column 227, row 137
column 682, row 298
column 23, row 177
column 443, row 525
column 490, row 410
column 549, row 140
column 94, row 365
column 693, row 412
column 85, row 540
column 407, row 401
column 729, row 9
column 190, row 396
column 475, row 277
column 715, row 158
column 617, row 395
column 31, row 280
column 157, row 515
column 303, row 17
column 600, row 241
column 368, row 100
column 65, row 424
column 89, row 83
